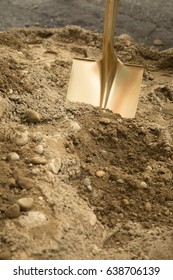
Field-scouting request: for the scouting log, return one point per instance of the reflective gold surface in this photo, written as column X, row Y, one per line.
column 107, row 83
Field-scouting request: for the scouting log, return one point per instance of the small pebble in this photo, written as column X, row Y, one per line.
column 32, row 116
column 167, row 213
column 120, row 181
column 22, row 139
column 25, row 203
column 39, row 149
column 55, row 165
column 13, row 156
column 13, row 211
column 86, row 182
column 100, row 173
column 148, row 206
column 126, row 37
column 125, row 201
column 149, row 168
column 75, row 126
column 158, row 42
column 90, row 188
column 93, row 219
column 38, row 160
column 105, row 121
column 25, row 183
column 143, row 185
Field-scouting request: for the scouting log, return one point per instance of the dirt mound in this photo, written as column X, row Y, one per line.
column 78, row 182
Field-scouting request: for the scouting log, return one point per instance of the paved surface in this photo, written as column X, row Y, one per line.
column 144, row 20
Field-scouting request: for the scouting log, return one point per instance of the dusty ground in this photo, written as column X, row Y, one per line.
column 96, row 186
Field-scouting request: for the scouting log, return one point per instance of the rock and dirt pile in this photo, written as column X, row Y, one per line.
column 77, row 182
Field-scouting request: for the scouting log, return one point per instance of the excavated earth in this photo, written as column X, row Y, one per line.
column 78, row 182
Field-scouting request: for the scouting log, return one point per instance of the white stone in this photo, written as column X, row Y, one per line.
column 13, row 156
column 90, row 188
column 55, row 165
column 86, row 182
column 21, row 139
column 32, row 219
column 39, row 149
column 75, row 126
column 93, row 219
column 144, row 185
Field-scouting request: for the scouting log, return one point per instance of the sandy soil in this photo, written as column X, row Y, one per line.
column 77, row 182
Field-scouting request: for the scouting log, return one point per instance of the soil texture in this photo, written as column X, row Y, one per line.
column 78, row 182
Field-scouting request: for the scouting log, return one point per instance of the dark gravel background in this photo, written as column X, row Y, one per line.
column 144, row 20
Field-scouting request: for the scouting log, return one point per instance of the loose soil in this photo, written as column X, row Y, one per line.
column 102, row 186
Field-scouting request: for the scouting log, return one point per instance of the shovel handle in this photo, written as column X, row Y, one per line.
column 109, row 26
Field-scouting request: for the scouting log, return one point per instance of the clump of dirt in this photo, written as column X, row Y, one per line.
column 78, row 182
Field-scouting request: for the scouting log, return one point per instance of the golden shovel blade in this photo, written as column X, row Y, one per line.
column 107, row 83
column 85, row 86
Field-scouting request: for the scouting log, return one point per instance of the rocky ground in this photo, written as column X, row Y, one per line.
column 77, row 182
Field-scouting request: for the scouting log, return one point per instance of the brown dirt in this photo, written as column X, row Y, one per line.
column 124, row 214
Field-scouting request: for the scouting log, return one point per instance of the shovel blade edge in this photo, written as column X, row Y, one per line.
column 125, row 91
column 85, row 86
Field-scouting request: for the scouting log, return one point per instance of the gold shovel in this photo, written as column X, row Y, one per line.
column 107, row 83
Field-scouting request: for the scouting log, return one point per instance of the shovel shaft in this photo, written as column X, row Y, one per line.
column 109, row 59
column 109, row 26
